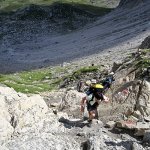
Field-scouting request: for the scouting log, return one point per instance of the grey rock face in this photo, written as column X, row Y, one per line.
column 32, row 125
column 146, row 43
column 146, row 138
column 37, row 127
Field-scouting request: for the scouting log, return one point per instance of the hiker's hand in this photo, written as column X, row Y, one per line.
column 106, row 101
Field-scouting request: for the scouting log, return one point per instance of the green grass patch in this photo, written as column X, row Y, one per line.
column 31, row 82
column 145, row 51
column 2, row 78
column 85, row 70
column 144, row 63
column 29, row 88
column 144, row 60
column 36, row 75
column 77, row 73
column 43, row 80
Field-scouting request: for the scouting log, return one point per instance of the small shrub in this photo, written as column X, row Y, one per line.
column 85, row 70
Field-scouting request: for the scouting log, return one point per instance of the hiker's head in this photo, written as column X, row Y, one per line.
column 88, row 83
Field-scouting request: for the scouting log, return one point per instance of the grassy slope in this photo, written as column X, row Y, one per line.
column 9, row 5
column 43, row 79
column 46, row 79
column 50, row 78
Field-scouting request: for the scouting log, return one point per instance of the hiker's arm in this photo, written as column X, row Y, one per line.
column 83, row 101
column 98, row 102
column 106, row 99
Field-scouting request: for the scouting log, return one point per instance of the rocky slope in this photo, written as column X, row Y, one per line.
column 118, row 33
column 53, row 121
column 145, row 44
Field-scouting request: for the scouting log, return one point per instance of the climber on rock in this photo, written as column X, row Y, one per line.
column 92, row 100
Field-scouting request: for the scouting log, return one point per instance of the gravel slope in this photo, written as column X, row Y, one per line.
column 108, row 39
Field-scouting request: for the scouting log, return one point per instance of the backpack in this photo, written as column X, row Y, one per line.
column 97, row 91
column 109, row 80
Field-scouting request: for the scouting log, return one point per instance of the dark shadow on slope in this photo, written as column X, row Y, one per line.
column 128, row 132
column 56, row 10
column 126, row 144
column 57, row 18
column 69, row 124
column 34, row 19
column 145, row 44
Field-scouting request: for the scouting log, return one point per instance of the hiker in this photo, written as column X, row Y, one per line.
column 108, row 81
column 92, row 99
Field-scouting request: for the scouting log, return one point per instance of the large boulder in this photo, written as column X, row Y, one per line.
column 73, row 99
column 6, row 130
column 19, row 109
column 3, row 148
column 31, row 110
column 146, row 138
column 4, row 109
column 27, row 123
column 102, row 141
column 143, row 99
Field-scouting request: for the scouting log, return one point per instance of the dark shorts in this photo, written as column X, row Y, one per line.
column 92, row 107
column 99, row 96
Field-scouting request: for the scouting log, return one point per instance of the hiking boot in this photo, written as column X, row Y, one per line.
column 89, row 121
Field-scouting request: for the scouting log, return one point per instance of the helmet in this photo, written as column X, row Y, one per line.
column 88, row 82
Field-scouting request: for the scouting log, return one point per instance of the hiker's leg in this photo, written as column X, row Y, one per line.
column 96, row 114
column 89, row 116
column 92, row 115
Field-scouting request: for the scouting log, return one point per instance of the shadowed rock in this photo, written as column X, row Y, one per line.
column 146, row 43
